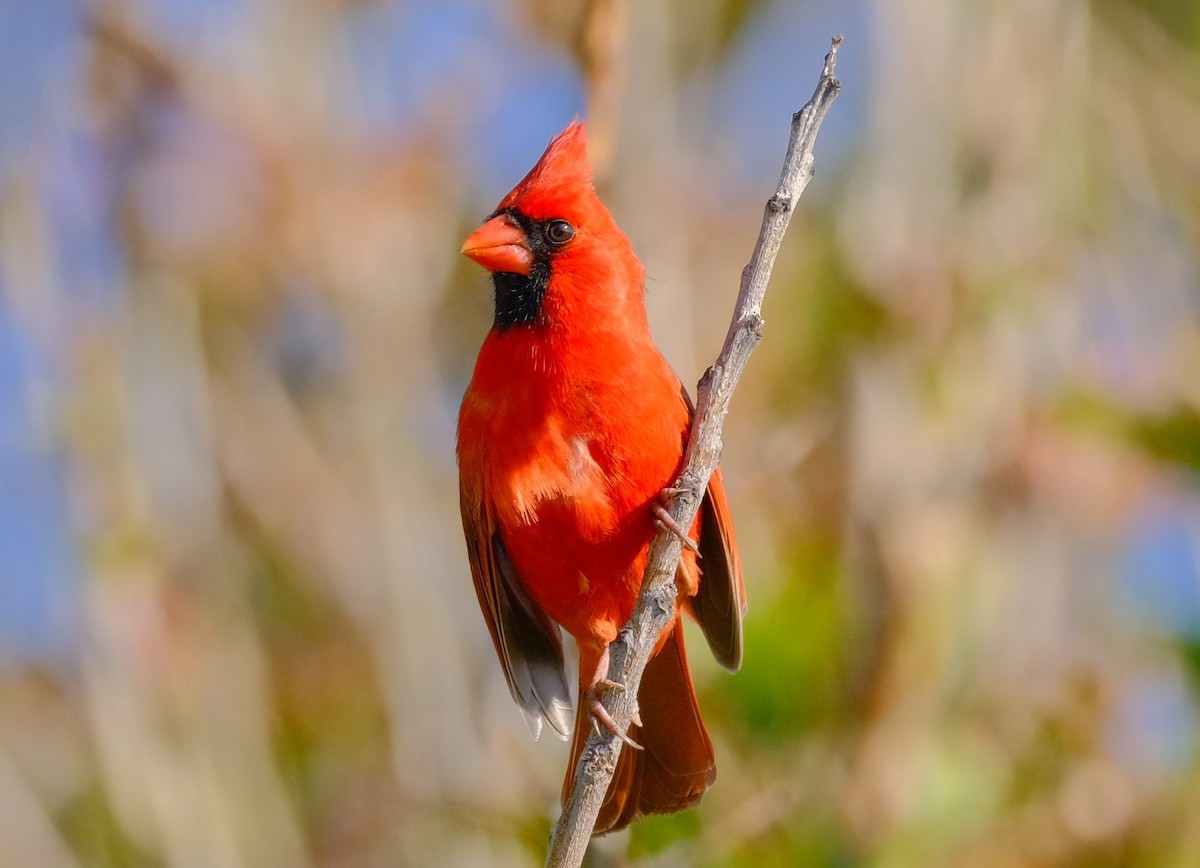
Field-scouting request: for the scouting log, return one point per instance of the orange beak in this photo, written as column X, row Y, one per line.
column 500, row 245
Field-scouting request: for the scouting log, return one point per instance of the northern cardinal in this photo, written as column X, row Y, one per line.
column 571, row 427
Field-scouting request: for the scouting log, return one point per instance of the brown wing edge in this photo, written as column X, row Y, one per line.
column 721, row 580
column 720, row 604
column 527, row 642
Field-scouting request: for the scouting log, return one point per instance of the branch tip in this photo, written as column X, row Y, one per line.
column 831, row 57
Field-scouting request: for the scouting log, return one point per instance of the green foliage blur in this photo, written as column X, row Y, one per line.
column 964, row 464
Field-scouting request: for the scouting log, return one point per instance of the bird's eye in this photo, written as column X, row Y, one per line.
column 559, row 231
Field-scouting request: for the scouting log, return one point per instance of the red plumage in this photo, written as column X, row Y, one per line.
column 572, row 425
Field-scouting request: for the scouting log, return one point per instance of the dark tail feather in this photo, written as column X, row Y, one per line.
column 677, row 765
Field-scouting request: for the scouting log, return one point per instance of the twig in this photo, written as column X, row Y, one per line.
column 630, row 652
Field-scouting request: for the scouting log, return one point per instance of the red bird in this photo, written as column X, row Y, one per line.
column 571, row 427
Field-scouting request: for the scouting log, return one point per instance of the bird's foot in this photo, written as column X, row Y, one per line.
column 600, row 715
column 664, row 520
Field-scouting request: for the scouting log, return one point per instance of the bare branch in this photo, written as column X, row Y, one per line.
column 630, row 652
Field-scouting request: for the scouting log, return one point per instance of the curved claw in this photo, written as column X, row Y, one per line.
column 600, row 715
column 665, row 521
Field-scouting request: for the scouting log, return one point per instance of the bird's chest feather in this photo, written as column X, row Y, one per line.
column 548, row 463
column 583, row 446
column 571, row 458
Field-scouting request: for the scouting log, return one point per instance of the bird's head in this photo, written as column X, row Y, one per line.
column 551, row 239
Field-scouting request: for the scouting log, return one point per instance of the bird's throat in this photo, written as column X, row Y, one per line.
column 520, row 297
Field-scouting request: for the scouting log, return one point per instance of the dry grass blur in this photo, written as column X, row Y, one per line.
column 964, row 462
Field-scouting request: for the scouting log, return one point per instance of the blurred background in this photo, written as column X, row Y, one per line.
column 237, row 626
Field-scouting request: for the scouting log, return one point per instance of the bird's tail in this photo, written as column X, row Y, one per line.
column 677, row 764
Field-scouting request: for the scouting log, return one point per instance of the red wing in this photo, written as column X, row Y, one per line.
column 720, row 603
column 526, row 640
